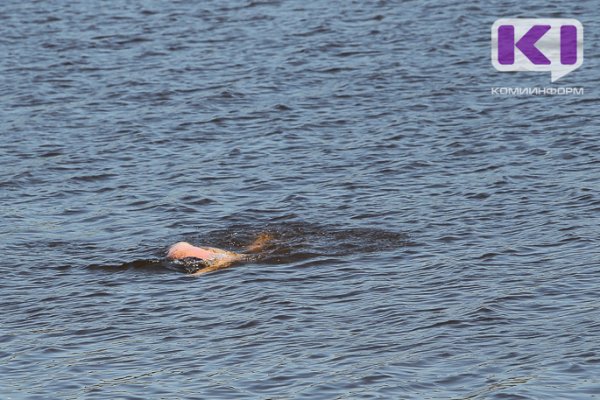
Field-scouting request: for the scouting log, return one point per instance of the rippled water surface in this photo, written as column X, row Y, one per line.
column 433, row 240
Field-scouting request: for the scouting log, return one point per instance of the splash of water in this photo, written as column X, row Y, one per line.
column 291, row 242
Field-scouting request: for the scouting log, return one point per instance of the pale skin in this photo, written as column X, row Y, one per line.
column 217, row 258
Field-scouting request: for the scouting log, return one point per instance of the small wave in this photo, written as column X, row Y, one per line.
column 155, row 265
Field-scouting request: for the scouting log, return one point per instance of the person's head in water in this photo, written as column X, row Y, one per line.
column 216, row 258
column 184, row 250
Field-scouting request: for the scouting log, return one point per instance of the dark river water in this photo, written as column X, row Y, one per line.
column 432, row 240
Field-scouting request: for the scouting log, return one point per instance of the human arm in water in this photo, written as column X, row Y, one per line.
column 216, row 258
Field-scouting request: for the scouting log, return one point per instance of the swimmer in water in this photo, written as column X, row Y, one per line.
column 213, row 258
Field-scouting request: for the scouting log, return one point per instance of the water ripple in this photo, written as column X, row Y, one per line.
column 431, row 240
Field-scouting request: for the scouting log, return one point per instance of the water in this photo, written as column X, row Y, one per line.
column 434, row 241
